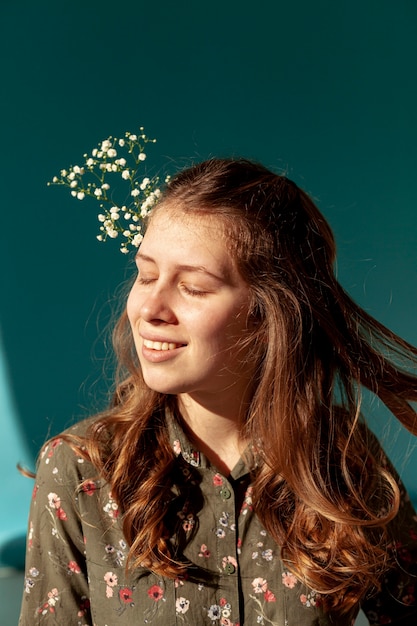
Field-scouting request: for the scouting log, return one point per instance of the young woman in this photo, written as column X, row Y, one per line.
column 233, row 480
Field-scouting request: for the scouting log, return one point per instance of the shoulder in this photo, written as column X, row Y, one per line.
column 64, row 456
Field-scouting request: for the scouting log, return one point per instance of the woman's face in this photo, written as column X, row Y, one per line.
column 188, row 309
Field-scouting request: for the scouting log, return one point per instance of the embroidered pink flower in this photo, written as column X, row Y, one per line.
column 155, row 592
column 204, row 551
column 54, row 500
column 110, row 579
column 176, row 447
column 259, row 585
column 308, row 600
column 289, row 580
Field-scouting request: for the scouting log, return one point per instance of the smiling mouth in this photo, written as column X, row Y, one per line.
column 161, row 345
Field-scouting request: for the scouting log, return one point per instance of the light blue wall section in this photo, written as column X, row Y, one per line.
column 15, row 488
column 326, row 90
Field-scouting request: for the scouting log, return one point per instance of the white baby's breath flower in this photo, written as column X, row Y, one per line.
column 144, row 183
column 137, row 240
column 96, row 177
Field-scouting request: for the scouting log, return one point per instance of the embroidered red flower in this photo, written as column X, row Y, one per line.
column 83, row 606
column 89, row 488
column 155, row 592
column 125, row 595
column 217, row 480
column 61, row 514
column 74, row 567
column 269, row 596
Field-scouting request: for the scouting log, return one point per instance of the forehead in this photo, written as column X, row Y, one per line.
column 178, row 237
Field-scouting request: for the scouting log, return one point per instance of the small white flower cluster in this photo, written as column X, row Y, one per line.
column 118, row 161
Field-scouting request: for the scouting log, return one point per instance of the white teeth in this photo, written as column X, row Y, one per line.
column 160, row 345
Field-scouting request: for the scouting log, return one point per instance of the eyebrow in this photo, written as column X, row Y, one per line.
column 185, row 267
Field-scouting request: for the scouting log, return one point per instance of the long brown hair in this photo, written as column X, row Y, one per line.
column 320, row 490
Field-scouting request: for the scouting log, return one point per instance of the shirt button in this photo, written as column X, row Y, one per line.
column 225, row 493
column 230, row 569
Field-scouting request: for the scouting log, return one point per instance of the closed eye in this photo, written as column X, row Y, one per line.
column 144, row 281
column 191, row 291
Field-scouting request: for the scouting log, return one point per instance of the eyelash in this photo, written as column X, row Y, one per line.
column 194, row 292
column 144, row 281
column 188, row 290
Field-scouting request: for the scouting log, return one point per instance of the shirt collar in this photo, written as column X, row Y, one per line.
column 183, row 447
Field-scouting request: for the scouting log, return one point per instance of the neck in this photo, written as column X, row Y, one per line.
column 215, row 432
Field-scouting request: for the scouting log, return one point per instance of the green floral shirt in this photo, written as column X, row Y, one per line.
column 76, row 556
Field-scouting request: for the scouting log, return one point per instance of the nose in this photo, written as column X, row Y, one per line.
column 156, row 307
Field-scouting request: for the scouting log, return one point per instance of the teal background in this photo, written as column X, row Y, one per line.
column 325, row 90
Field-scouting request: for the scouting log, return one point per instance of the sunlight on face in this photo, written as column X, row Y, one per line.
column 188, row 308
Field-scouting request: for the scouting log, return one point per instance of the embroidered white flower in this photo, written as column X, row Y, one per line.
column 182, row 605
